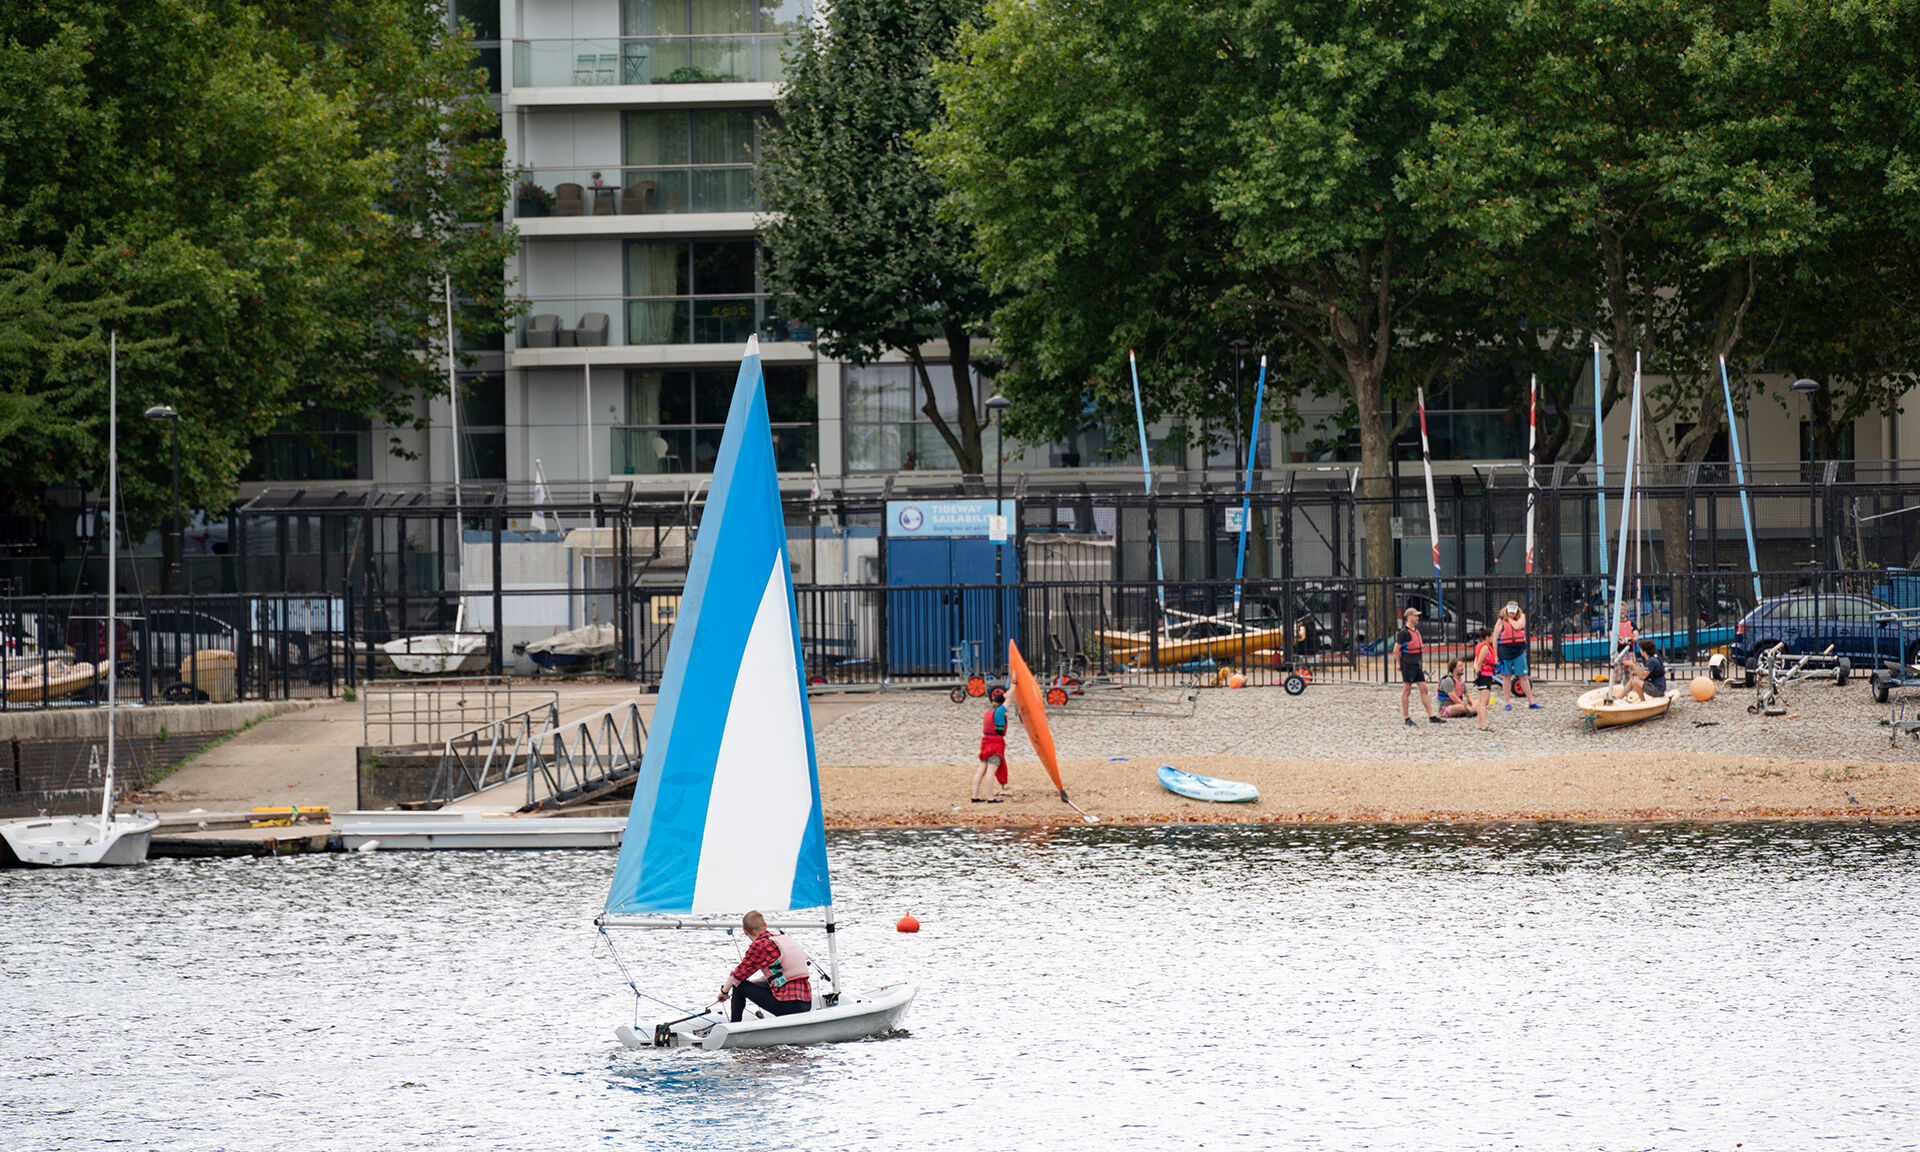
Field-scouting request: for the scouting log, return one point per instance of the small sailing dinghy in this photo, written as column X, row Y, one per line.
column 113, row 839
column 726, row 812
column 1607, row 711
column 1194, row 786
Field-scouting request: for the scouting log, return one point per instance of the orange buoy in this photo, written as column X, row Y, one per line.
column 908, row 923
column 1236, row 681
column 1701, row 689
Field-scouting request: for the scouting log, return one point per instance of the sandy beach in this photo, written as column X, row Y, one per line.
column 1341, row 753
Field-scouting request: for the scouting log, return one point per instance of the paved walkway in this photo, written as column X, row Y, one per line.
column 306, row 756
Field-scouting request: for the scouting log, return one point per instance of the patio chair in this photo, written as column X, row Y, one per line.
column 636, row 199
column 585, row 65
column 592, row 332
column 569, row 200
column 541, row 330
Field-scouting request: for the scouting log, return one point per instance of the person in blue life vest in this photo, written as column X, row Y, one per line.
column 782, row 987
column 1510, row 643
column 1407, row 648
column 993, row 748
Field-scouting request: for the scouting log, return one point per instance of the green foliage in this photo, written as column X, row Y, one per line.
column 261, row 198
column 857, row 246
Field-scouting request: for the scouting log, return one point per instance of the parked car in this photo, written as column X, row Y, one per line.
column 160, row 640
column 1811, row 621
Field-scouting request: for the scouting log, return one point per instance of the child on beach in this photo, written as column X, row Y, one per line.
column 993, row 748
column 1485, row 660
column 1407, row 647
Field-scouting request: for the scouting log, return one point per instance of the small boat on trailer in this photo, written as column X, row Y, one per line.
column 1607, row 711
column 726, row 813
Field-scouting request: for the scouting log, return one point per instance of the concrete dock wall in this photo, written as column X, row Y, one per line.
column 47, row 755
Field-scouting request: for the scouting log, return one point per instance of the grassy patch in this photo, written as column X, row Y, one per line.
column 209, row 745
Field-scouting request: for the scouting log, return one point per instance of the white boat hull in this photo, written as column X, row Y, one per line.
column 442, row 654
column 77, row 842
column 849, row 1020
column 1610, row 713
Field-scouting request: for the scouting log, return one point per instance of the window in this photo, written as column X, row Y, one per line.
column 675, row 419
column 323, row 445
column 1843, row 445
column 706, row 41
column 692, row 161
column 483, row 427
column 1478, row 413
column 886, row 430
column 699, row 292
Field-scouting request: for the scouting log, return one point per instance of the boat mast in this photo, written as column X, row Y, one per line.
column 113, row 563
column 1600, row 462
column 1246, row 492
column 1433, row 514
column 833, row 955
column 453, row 411
column 1146, row 469
column 1626, row 499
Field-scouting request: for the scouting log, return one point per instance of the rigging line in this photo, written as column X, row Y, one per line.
column 628, row 977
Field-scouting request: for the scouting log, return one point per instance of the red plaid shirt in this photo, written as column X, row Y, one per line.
column 761, row 954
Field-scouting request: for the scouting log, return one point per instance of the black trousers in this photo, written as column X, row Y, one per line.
column 762, row 995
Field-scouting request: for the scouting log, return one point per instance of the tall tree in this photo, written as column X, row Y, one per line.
column 262, row 198
column 855, row 242
column 1163, row 172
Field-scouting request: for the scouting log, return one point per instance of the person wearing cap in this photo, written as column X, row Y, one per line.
column 1510, row 643
column 1408, row 646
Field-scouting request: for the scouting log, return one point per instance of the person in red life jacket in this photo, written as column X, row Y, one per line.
column 785, row 989
column 1510, row 643
column 1408, row 646
column 1486, row 661
column 993, row 748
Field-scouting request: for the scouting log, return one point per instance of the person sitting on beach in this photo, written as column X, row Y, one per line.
column 1407, row 645
column 993, row 748
column 1510, row 642
column 1650, row 674
column 1454, row 692
column 785, row 988
column 1485, row 660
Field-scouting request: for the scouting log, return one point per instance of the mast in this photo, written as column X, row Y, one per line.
column 1146, row 469
column 113, row 564
column 1533, row 413
column 1599, row 459
column 453, row 410
column 1626, row 498
column 1246, row 492
column 1433, row 513
column 1740, row 474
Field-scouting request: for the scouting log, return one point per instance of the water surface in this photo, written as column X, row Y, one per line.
column 1357, row 987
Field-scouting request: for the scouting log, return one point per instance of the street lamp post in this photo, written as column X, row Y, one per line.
column 163, row 412
column 997, row 412
column 1239, row 355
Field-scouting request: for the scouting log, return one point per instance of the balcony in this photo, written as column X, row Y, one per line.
column 663, row 450
column 653, row 321
column 615, row 61
column 612, row 191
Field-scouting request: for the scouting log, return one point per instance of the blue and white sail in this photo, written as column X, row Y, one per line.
column 726, row 812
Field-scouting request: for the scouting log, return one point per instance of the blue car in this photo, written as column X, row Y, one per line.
column 1808, row 622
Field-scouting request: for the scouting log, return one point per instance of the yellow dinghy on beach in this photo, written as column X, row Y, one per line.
column 1136, row 648
column 61, row 679
column 1606, row 712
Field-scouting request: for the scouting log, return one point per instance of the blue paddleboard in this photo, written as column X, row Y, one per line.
column 1196, row 787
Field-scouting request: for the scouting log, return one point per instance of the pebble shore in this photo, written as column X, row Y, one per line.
column 1341, row 752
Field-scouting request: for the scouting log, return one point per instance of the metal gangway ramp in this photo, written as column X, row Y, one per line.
column 529, row 761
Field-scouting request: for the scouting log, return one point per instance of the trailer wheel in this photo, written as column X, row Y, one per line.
column 1752, row 677
column 1842, row 669
column 1295, row 684
column 1881, row 690
column 976, row 685
column 959, row 695
column 1056, row 696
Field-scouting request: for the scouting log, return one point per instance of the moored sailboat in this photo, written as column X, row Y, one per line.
column 726, row 811
column 113, row 839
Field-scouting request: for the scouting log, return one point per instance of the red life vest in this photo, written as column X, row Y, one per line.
column 1484, row 659
column 1413, row 646
column 1510, row 632
column 994, row 723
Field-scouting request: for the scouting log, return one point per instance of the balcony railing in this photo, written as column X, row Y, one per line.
column 649, row 60
column 610, row 191
column 586, row 322
column 654, row 450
